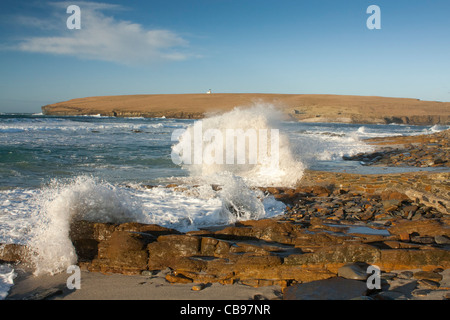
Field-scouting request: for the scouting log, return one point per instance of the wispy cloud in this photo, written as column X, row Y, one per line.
column 104, row 37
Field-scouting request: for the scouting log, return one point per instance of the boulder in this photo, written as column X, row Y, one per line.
column 124, row 251
column 13, row 253
column 354, row 271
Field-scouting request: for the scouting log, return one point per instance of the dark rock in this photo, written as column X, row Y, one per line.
column 423, row 240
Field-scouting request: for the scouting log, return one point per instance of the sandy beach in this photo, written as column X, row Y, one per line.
column 98, row 286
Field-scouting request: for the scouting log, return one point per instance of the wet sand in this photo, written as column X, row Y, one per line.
column 98, row 286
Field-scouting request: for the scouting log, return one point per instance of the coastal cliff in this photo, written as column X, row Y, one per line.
column 299, row 107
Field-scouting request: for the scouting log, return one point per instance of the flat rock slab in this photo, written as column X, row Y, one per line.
column 330, row 289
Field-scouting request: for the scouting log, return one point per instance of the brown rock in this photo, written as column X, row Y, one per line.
column 404, row 236
column 340, row 213
column 318, row 240
column 423, row 228
column 208, row 246
column 404, row 259
column 344, row 253
column 167, row 250
column 393, row 195
column 265, row 229
column 124, row 250
column 198, row 287
column 87, row 230
column 177, row 278
column 13, row 253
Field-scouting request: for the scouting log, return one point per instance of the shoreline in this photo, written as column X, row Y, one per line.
column 265, row 259
column 334, row 222
column 296, row 107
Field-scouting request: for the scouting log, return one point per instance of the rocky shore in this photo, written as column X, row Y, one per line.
column 324, row 236
column 422, row 151
column 335, row 227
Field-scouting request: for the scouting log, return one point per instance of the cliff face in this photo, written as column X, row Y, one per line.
column 307, row 108
column 73, row 111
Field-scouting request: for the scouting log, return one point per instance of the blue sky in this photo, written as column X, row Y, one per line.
column 190, row 46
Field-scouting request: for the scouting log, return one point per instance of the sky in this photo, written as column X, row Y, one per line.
column 228, row 46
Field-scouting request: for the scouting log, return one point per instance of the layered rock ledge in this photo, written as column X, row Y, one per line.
column 323, row 231
column 431, row 150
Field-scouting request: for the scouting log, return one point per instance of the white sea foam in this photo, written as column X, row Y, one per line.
column 59, row 204
column 257, row 117
column 41, row 219
column 328, row 146
column 438, row 128
column 71, row 126
column 7, row 276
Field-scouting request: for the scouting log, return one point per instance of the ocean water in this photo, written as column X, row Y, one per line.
column 57, row 169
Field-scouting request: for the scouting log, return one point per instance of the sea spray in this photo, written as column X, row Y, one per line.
column 186, row 208
column 59, row 204
column 251, row 125
column 240, row 202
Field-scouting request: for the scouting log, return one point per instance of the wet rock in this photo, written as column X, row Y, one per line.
column 330, row 289
column 13, row 253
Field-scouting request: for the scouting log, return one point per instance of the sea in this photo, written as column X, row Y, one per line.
column 54, row 169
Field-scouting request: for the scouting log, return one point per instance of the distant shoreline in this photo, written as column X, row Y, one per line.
column 297, row 107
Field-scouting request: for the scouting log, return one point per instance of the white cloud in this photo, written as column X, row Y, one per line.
column 105, row 38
